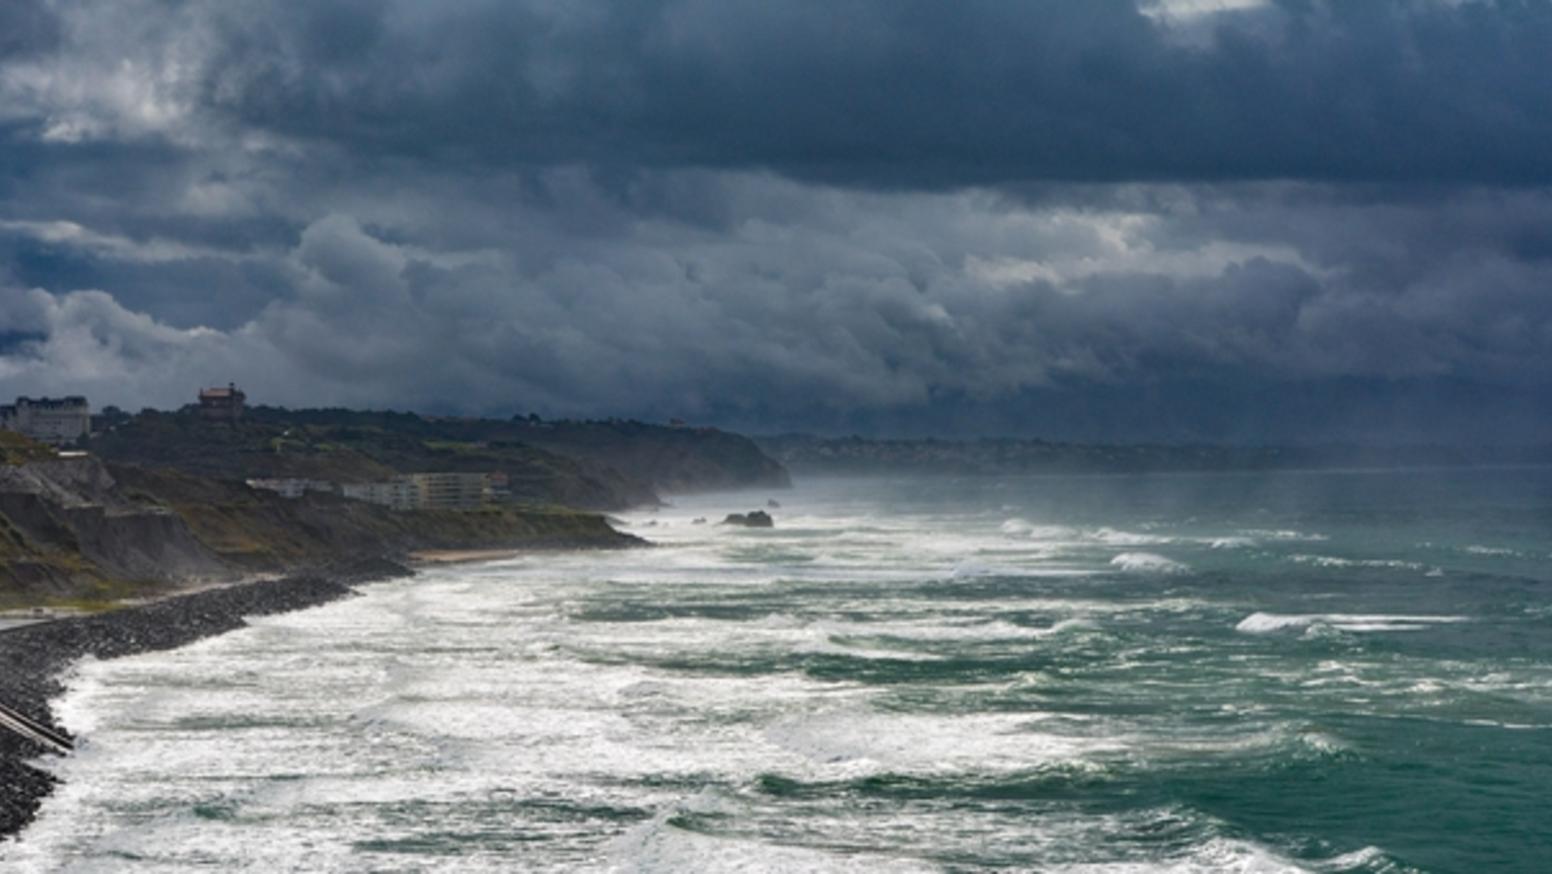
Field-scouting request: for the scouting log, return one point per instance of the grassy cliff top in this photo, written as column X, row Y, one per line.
column 608, row 464
column 364, row 448
column 18, row 449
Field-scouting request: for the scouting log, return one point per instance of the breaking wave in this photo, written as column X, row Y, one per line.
column 1147, row 563
column 1264, row 623
column 1335, row 561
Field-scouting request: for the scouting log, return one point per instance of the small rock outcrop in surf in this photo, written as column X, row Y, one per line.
column 753, row 519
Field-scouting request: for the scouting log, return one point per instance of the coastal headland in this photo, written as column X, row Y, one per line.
column 152, row 503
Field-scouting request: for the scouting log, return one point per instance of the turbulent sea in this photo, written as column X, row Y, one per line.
column 1291, row 672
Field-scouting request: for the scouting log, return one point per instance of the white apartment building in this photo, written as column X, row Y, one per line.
column 395, row 494
column 56, row 421
column 429, row 491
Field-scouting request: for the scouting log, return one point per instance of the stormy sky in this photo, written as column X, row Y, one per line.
column 1220, row 220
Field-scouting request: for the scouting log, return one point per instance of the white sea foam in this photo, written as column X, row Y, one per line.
column 941, row 630
column 1368, row 859
column 1339, row 562
column 1508, row 726
column 1103, row 535
column 1214, row 856
column 462, row 705
column 1113, row 537
column 1262, row 623
column 1282, row 534
column 860, row 740
column 839, row 647
column 1147, row 563
column 967, row 570
column 1016, row 527
column 659, row 846
column 1023, row 528
column 1477, row 549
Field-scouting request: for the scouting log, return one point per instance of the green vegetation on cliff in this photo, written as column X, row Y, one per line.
column 274, row 443
column 643, row 456
column 16, row 449
column 674, row 459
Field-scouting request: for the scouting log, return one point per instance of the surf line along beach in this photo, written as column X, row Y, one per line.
column 34, row 659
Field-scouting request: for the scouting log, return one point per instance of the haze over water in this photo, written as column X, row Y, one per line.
column 1260, row 672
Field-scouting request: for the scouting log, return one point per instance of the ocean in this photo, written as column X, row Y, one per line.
column 1327, row 671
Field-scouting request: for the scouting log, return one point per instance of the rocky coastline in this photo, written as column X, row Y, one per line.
column 34, row 657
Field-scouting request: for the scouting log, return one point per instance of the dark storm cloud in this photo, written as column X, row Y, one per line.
column 915, row 92
column 1300, row 219
column 27, row 27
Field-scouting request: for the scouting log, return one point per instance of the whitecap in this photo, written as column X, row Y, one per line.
column 1016, row 527
column 1282, row 534
column 1113, row 537
column 969, row 570
column 1338, row 562
column 1214, row 856
column 1509, row 726
column 1262, row 623
column 658, row 845
column 1477, row 549
column 1148, row 563
column 1368, row 858
column 859, row 740
column 937, row 630
column 1023, row 528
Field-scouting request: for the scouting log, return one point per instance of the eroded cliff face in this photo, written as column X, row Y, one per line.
column 68, row 530
column 79, row 529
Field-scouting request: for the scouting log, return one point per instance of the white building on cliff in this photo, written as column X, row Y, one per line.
column 56, row 421
column 431, row 491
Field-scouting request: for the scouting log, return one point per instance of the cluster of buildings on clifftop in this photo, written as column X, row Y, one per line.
column 63, row 421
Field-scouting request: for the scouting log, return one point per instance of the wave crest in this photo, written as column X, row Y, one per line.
column 1147, row 563
column 1265, row 623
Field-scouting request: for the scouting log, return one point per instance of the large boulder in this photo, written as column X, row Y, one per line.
column 753, row 519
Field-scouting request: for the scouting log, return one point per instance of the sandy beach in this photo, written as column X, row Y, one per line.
column 461, row 556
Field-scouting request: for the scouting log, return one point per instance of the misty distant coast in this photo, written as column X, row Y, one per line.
column 809, row 454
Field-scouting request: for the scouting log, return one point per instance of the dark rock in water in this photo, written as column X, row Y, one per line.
column 753, row 519
column 698, row 520
column 773, row 504
column 25, row 787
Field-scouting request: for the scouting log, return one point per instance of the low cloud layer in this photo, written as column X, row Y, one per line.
column 1222, row 221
